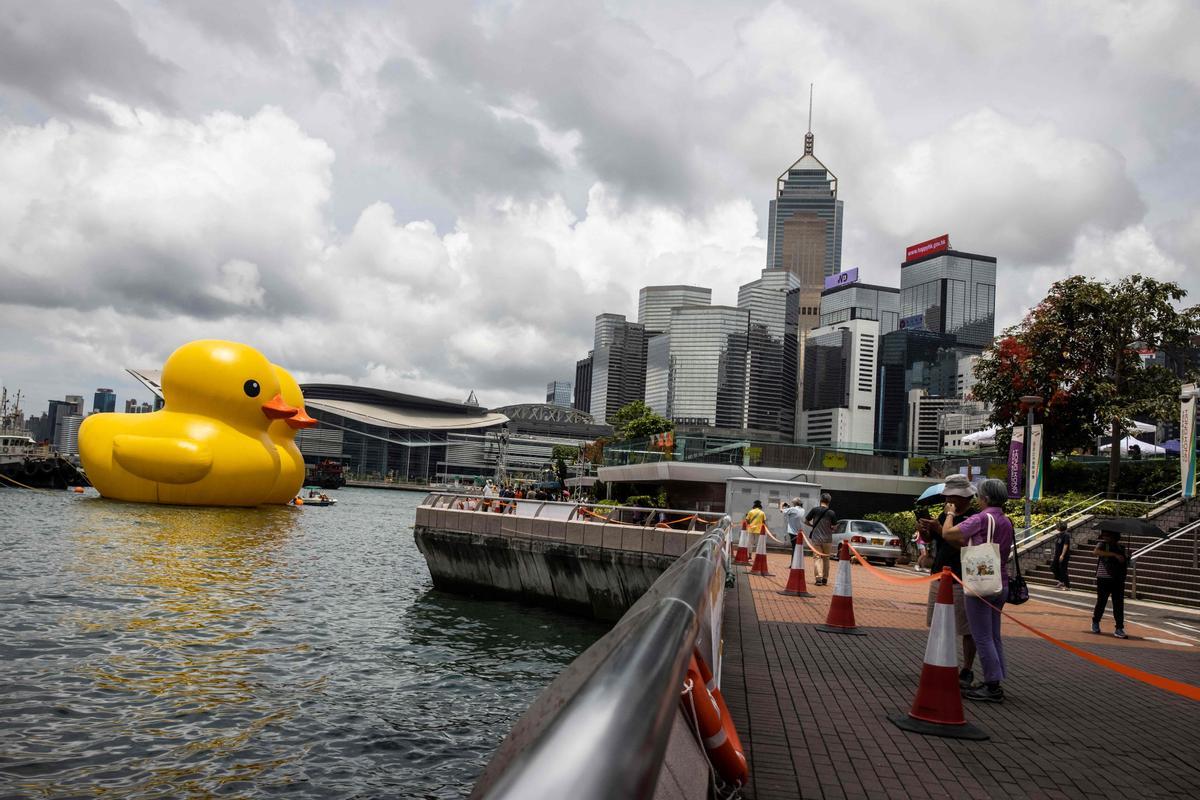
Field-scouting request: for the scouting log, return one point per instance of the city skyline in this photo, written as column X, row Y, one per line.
column 437, row 204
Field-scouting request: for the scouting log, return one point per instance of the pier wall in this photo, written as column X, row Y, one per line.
column 598, row 568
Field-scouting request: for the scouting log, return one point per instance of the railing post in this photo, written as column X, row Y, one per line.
column 1133, row 589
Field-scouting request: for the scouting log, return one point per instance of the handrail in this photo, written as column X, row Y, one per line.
column 691, row 515
column 1191, row 527
column 607, row 738
column 1044, row 534
column 1186, row 529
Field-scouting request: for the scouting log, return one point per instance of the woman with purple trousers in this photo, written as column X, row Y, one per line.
column 983, row 618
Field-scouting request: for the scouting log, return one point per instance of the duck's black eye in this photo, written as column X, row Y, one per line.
column 251, row 388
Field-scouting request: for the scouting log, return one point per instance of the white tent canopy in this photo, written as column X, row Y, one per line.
column 1128, row 441
column 1132, row 425
column 986, row 436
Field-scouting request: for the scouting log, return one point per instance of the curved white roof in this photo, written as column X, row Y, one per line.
column 391, row 417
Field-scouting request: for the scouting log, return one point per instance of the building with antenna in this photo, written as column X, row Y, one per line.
column 804, row 227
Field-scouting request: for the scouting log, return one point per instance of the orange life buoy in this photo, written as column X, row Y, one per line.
column 720, row 738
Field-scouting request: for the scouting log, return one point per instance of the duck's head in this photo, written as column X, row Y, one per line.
column 229, row 381
column 290, row 390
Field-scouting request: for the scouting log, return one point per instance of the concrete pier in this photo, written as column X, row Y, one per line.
column 595, row 567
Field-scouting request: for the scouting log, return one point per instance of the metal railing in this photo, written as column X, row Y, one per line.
column 601, row 730
column 571, row 512
column 1028, row 538
column 1192, row 528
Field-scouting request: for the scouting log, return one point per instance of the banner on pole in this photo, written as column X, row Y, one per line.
column 1035, row 463
column 1016, row 455
column 1187, row 441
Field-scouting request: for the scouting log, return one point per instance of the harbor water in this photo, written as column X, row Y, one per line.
column 150, row 651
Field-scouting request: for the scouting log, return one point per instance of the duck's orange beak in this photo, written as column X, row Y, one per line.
column 275, row 408
column 301, row 420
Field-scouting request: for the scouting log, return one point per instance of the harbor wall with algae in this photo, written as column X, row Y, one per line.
column 598, row 569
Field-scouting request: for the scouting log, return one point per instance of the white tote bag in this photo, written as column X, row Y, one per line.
column 981, row 565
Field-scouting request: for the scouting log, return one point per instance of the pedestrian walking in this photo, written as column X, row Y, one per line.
column 793, row 516
column 1111, row 564
column 958, row 495
column 1062, row 557
column 991, row 525
column 756, row 518
column 821, row 521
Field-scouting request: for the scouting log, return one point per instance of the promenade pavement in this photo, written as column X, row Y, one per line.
column 812, row 708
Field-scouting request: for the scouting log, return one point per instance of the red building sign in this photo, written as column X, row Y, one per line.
column 928, row 248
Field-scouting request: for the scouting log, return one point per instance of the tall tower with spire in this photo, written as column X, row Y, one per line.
column 804, row 229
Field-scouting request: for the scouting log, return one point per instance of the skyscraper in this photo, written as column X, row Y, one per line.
column 804, row 228
column 618, row 365
column 772, row 347
column 105, row 400
column 655, row 304
column 839, row 384
column 708, row 361
column 949, row 291
column 583, row 384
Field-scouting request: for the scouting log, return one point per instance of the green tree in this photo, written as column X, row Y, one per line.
column 637, row 421
column 1077, row 350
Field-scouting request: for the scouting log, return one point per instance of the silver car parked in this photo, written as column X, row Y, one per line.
column 872, row 539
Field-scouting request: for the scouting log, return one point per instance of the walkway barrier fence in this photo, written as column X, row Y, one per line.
column 602, row 728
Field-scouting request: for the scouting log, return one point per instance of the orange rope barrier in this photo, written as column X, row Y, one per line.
column 877, row 572
column 1177, row 687
column 1167, row 684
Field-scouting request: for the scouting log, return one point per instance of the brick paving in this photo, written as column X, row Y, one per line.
column 812, row 707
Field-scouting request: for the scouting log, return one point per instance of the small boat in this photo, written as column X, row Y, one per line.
column 313, row 496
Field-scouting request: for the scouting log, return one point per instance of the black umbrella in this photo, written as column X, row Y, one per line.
column 1129, row 526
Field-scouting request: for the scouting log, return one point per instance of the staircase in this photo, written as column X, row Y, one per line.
column 1168, row 574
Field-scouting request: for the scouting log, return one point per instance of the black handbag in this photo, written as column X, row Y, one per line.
column 1018, row 591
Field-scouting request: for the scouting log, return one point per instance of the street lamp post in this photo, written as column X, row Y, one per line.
column 1032, row 402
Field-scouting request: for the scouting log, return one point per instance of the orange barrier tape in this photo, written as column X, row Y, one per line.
column 877, row 572
column 591, row 513
column 1167, row 684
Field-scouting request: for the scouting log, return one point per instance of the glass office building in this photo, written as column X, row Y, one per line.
column 655, row 304
column 708, row 353
column 861, row 301
column 659, row 374
column 773, row 348
column 558, row 393
column 950, row 293
column 618, row 365
column 909, row 359
column 104, row 400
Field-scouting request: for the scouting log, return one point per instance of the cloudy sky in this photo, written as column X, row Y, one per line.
column 439, row 197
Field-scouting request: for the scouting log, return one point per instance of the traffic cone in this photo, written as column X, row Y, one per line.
column 760, row 557
column 841, row 610
column 742, row 556
column 938, row 708
column 796, row 587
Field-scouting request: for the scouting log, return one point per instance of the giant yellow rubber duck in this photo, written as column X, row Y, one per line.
column 292, row 470
column 209, row 445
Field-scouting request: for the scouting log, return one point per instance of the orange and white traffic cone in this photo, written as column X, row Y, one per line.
column 841, row 610
column 760, row 557
column 742, row 556
column 796, row 587
column 938, row 708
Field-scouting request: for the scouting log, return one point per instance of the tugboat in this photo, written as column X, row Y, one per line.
column 327, row 474
column 24, row 464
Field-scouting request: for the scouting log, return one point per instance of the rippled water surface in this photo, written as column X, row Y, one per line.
column 150, row 651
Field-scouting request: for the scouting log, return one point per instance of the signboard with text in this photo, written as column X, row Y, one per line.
column 842, row 279
column 927, row 248
column 1016, row 458
column 1035, row 463
column 914, row 323
column 1187, row 442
